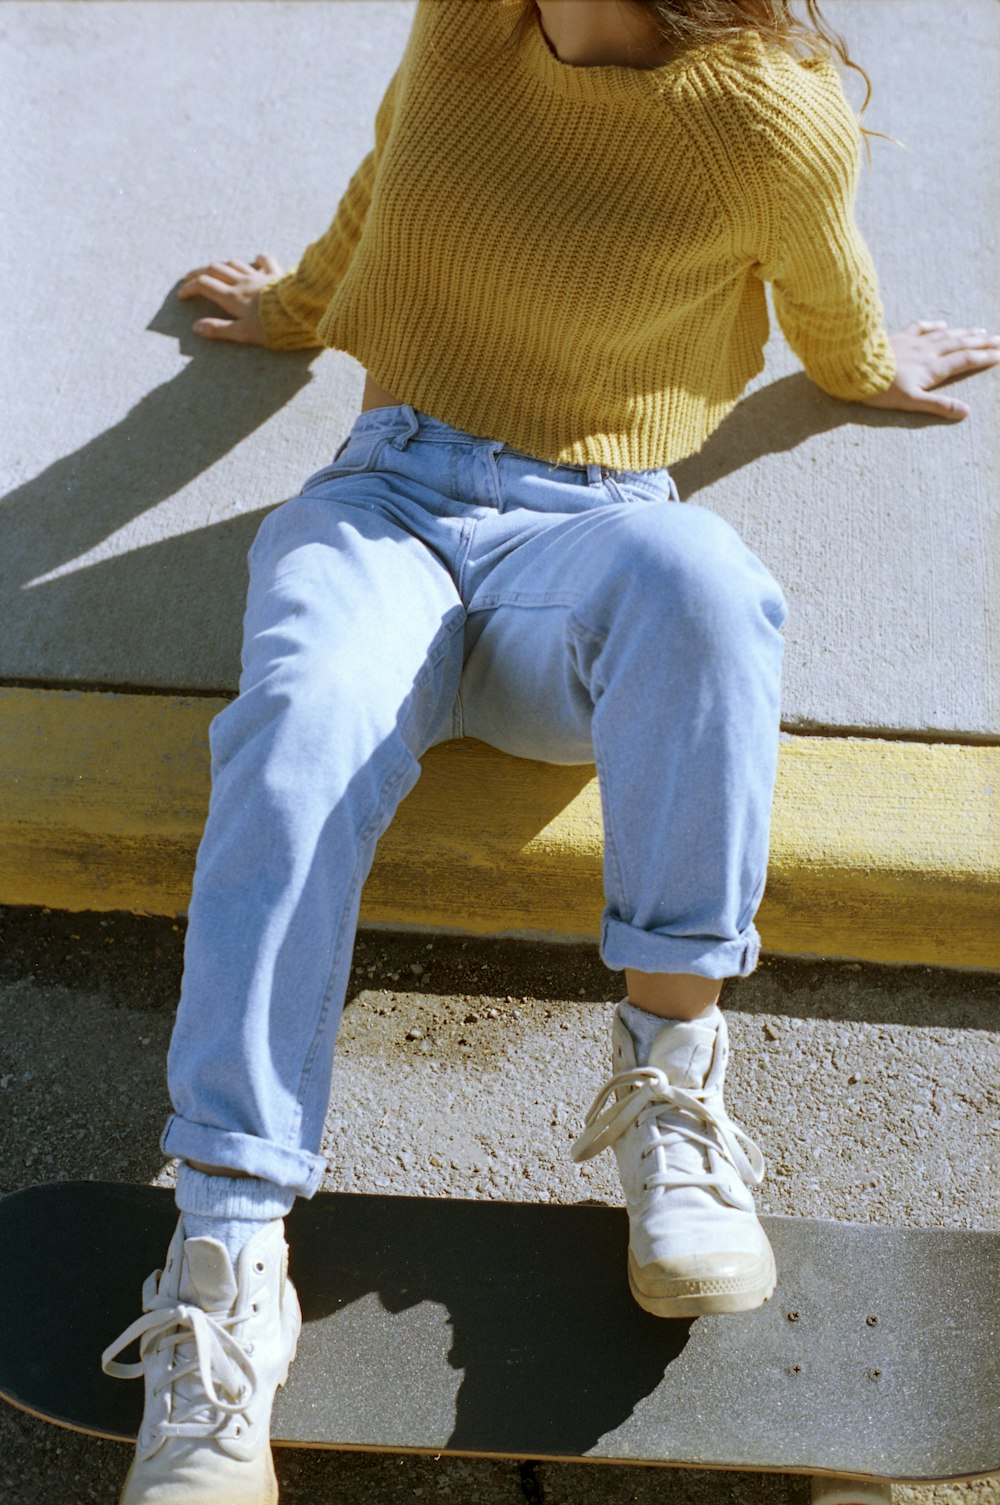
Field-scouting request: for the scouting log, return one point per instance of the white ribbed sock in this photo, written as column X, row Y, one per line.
column 644, row 1027
column 232, row 1233
column 228, row 1208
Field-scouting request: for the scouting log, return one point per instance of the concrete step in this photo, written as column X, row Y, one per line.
column 889, row 851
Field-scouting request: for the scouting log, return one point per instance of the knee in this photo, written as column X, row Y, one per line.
column 699, row 572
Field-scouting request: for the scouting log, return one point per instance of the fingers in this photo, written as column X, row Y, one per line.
column 944, row 339
column 205, row 285
column 224, row 329
column 966, row 339
column 967, row 358
column 929, row 353
column 207, row 281
column 225, row 271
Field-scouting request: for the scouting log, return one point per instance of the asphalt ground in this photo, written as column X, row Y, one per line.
column 464, row 1067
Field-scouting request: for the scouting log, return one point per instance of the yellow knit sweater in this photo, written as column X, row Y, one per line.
column 572, row 259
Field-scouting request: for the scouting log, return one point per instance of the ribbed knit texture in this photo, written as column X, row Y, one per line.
column 572, row 260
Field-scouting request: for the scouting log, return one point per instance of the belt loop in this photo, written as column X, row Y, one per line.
column 596, row 475
column 409, row 426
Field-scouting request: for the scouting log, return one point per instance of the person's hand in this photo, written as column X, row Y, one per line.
column 235, row 286
column 928, row 353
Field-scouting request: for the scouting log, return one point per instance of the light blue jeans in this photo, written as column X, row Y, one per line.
column 430, row 585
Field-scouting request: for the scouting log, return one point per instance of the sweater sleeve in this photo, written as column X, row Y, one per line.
column 292, row 306
column 825, row 289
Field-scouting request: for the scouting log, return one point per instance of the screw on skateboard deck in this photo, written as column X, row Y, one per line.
column 506, row 1330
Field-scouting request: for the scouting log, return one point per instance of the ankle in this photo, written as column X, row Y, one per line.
column 236, row 1198
column 672, row 995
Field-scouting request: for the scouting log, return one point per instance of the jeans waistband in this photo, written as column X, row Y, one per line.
column 403, row 423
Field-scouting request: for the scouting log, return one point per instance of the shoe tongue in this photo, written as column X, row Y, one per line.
column 684, row 1053
column 207, row 1278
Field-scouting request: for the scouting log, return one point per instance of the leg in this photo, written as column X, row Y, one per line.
column 672, row 995
column 351, row 663
column 652, row 644
column 667, row 653
column 351, row 660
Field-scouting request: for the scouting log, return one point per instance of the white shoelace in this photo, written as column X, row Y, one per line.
column 220, row 1361
column 645, row 1092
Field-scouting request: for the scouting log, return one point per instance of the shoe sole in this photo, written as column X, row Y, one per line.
column 707, row 1296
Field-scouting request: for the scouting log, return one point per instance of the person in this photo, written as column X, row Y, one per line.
column 552, row 268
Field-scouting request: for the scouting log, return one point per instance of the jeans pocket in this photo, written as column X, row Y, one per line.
column 641, row 485
column 357, row 454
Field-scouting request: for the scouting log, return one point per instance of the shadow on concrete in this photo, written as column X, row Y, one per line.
column 170, row 615
column 159, row 625
column 775, row 419
column 147, row 595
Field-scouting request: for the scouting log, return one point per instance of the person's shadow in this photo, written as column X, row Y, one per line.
column 170, row 610
column 166, row 602
column 480, row 1326
column 775, row 419
column 552, row 1351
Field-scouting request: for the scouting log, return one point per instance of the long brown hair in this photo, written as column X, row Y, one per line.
column 691, row 23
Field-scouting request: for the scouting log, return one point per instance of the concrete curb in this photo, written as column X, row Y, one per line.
column 884, row 851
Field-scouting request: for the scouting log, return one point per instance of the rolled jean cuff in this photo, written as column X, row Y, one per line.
column 651, row 951
column 295, row 1173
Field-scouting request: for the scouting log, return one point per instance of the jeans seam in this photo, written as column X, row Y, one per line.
column 646, row 492
column 611, row 857
column 529, row 601
column 575, row 631
column 375, row 458
column 462, row 562
column 392, row 780
column 754, row 904
column 336, row 469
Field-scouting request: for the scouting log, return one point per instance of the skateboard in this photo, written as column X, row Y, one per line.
column 506, row 1330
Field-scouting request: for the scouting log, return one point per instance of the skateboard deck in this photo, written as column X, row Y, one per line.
column 505, row 1329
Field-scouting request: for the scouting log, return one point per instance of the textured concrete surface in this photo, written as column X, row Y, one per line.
column 464, row 1068
column 138, row 461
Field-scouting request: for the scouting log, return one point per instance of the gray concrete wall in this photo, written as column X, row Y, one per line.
column 137, row 461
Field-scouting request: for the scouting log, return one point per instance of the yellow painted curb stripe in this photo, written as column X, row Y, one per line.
column 887, row 851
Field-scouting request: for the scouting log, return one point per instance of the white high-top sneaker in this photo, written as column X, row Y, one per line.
column 214, row 1346
column 695, row 1245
